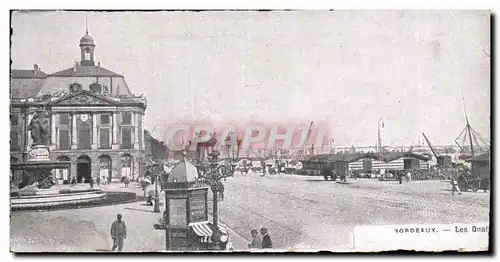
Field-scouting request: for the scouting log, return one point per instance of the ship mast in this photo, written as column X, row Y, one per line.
column 468, row 133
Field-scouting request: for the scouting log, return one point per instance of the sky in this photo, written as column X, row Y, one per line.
column 343, row 69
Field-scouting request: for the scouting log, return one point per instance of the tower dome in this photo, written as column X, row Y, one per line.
column 87, row 47
column 87, row 40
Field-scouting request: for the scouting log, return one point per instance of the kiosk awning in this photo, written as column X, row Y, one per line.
column 204, row 230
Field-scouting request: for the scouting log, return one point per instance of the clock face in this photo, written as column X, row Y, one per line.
column 84, row 118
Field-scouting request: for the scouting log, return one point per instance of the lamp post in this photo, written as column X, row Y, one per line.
column 154, row 173
column 213, row 176
column 157, row 197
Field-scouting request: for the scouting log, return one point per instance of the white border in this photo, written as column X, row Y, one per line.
column 188, row 4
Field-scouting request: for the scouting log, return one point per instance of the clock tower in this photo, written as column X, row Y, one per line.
column 87, row 47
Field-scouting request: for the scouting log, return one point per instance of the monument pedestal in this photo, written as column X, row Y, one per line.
column 38, row 153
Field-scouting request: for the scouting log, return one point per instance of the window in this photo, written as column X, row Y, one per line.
column 64, row 143
column 84, row 136
column 126, row 118
column 96, row 88
column 105, row 120
column 14, row 119
column 126, row 161
column 104, row 138
column 14, row 141
column 75, row 87
column 127, row 138
column 64, row 119
column 64, row 132
column 87, row 53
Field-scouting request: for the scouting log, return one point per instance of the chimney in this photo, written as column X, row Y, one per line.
column 74, row 68
column 36, row 70
column 99, row 64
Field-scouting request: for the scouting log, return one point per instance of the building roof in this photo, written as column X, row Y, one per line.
column 79, row 70
column 27, row 73
column 26, row 83
column 393, row 156
column 387, row 157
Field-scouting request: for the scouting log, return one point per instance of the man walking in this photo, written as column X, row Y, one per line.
column 454, row 186
column 266, row 239
column 118, row 233
column 408, row 177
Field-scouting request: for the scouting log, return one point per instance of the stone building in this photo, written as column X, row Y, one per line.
column 97, row 123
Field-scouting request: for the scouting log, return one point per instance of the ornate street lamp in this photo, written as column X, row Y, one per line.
column 154, row 170
column 212, row 175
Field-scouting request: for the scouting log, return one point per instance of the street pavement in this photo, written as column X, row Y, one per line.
column 88, row 229
column 304, row 212
column 300, row 212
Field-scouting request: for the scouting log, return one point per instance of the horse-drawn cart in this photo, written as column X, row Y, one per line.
column 467, row 181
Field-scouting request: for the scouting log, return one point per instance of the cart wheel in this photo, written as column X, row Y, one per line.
column 326, row 178
column 475, row 187
column 334, row 178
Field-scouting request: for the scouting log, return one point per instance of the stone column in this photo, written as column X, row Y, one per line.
column 143, row 143
column 94, row 131
column 110, row 136
column 53, row 135
column 74, row 135
column 135, row 122
column 115, row 143
column 57, row 137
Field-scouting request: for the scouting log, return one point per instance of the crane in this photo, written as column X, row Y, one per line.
column 302, row 148
column 430, row 146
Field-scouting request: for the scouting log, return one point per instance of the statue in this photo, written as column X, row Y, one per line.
column 40, row 129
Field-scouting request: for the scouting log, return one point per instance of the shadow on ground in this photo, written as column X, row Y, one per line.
column 469, row 191
column 136, row 209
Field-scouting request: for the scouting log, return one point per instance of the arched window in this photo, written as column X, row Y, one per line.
column 75, row 87
column 127, row 165
column 96, row 88
column 105, row 172
column 87, row 53
column 62, row 175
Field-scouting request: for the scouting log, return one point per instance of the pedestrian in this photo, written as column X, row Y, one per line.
column 266, row 239
column 91, row 182
column 454, row 186
column 408, row 177
column 256, row 241
column 126, row 181
column 118, row 233
column 400, row 177
column 224, row 239
column 98, row 181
